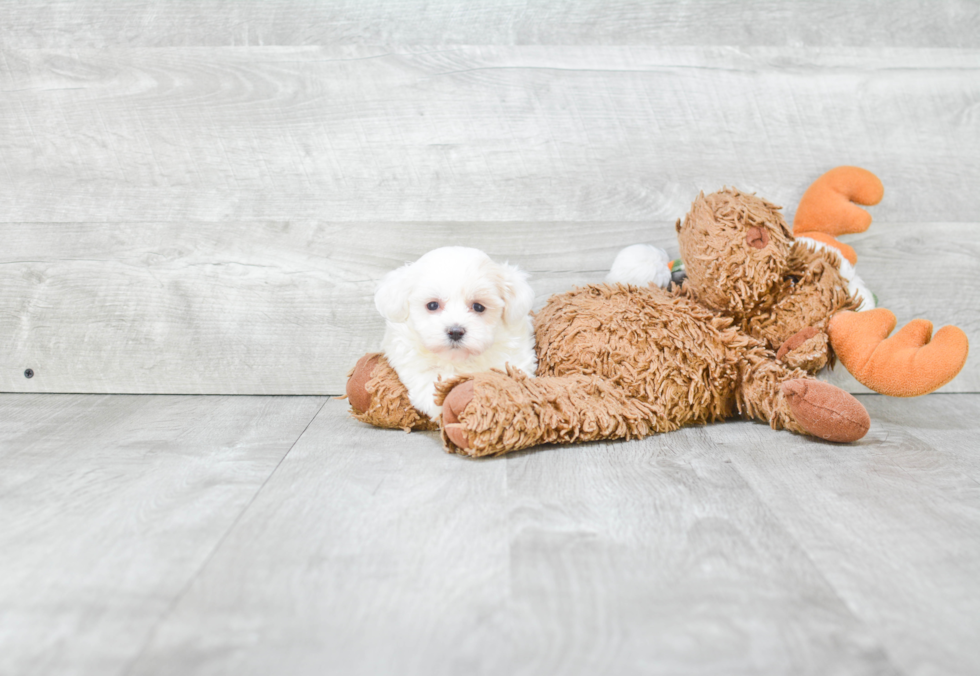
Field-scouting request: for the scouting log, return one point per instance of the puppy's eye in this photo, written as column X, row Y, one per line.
column 478, row 308
column 432, row 306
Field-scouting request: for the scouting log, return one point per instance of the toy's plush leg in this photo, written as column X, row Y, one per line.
column 377, row 396
column 759, row 394
column 826, row 208
column 910, row 363
column 787, row 399
column 492, row 413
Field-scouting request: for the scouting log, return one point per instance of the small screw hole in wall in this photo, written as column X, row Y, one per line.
column 29, row 373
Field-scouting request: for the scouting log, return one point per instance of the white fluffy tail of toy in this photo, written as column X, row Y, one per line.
column 641, row 264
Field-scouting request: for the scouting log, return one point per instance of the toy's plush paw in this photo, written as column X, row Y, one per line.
column 379, row 398
column 910, row 363
column 806, row 349
column 826, row 411
column 452, row 407
column 357, row 393
column 478, row 428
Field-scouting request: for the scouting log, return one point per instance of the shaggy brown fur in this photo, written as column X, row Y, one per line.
column 811, row 292
column 618, row 361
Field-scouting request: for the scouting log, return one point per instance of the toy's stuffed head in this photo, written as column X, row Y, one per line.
column 735, row 248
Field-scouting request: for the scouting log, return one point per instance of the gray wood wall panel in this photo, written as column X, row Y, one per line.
column 98, row 23
column 475, row 133
column 286, row 308
column 188, row 191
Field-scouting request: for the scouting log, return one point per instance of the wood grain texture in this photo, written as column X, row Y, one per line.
column 287, row 307
column 181, row 214
column 110, row 507
column 892, row 522
column 232, row 535
column 368, row 552
column 657, row 557
column 96, row 23
column 478, row 133
column 385, row 555
column 947, row 423
column 262, row 308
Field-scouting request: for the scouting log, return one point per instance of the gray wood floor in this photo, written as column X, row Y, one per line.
column 274, row 535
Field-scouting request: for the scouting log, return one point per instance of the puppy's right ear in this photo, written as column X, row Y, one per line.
column 391, row 298
column 517, row 294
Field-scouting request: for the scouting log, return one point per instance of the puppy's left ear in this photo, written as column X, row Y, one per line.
column 517, row 294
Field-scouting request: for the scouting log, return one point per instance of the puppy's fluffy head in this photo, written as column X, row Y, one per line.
column 456, row 299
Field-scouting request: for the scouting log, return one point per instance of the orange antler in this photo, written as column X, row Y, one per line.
column 826, row 208
column 910, row 363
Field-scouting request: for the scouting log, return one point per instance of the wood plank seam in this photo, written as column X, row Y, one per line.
column 204, row 564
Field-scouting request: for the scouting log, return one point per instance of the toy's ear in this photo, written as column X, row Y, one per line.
column 517, row 294
column 391, row 298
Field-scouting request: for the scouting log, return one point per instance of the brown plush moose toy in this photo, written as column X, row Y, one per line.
column 760, row 312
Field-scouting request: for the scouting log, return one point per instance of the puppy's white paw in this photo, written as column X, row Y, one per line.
column 641, row 264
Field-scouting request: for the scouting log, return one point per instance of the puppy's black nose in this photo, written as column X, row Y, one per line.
column 456, row 333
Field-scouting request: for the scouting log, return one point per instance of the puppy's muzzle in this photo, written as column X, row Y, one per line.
column 455, row 333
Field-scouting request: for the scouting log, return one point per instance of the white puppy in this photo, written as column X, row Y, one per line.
column 454, row 311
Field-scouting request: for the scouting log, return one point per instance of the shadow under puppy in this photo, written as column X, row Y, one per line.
column 453, row 311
